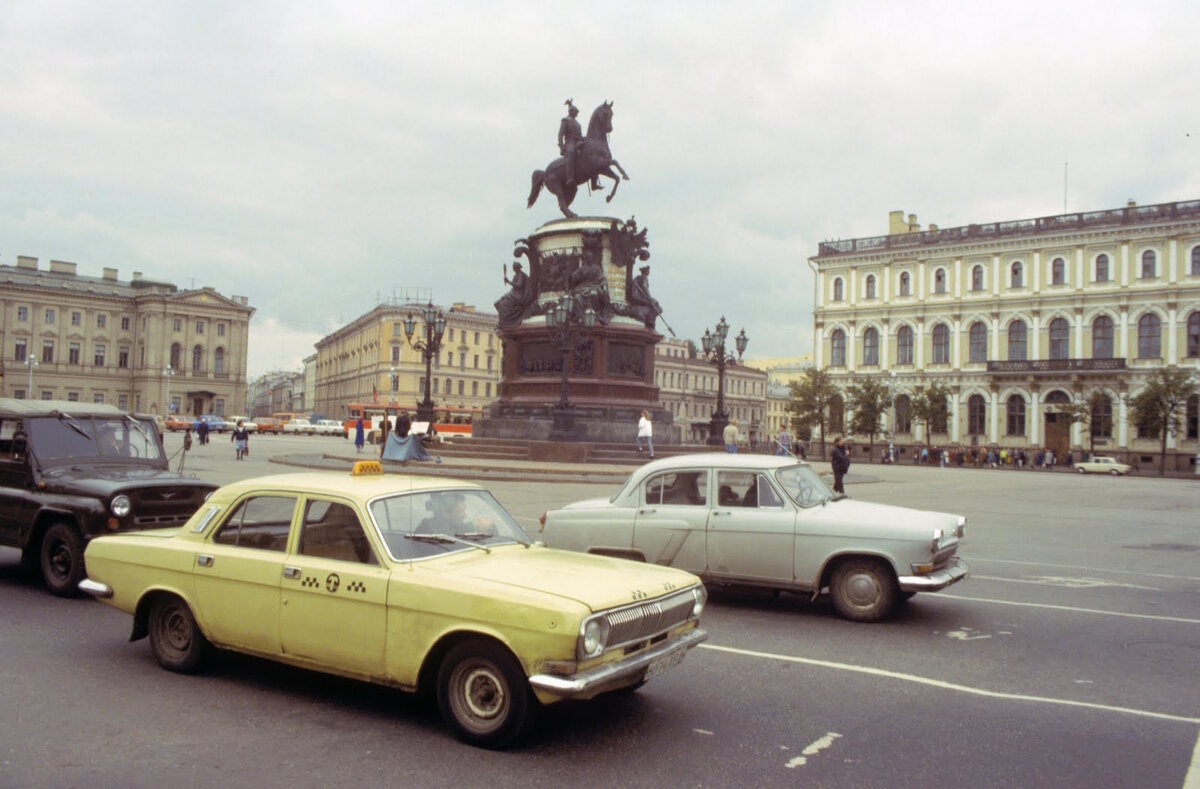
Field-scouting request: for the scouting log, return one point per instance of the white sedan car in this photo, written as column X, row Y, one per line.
column 766, row 521
column 1103, row 465
column 297, row 427
column 247, row 423
column 329, row 427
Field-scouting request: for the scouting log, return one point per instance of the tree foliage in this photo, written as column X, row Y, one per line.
column 1156, row 410
column 869, row 401
column 1085, row 411
column 930, row 406
column 810, row 401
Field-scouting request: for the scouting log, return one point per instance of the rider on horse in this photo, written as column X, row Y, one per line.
column 570, row 139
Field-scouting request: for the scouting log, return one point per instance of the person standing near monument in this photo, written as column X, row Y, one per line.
column 645, row 430
column 570, row 138
column 840, row 463
column 730, row 436
column 241, row 439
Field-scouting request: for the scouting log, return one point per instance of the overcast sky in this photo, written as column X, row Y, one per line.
column 317, row 157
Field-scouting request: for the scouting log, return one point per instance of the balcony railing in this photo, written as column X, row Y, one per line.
column 1057, row 365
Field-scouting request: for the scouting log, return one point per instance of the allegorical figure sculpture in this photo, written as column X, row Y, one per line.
column 581, row 161
column 512, row 306
column 643, row 306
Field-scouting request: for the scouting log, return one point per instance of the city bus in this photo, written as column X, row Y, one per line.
column 449, row 421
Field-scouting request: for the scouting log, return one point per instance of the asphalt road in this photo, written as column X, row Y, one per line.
column 1069, row 658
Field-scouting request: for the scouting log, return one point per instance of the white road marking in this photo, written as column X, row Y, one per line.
column 938, row 683
column 964, row 634
column 976, row 559
column 812, row 750
column 1051, row 606
column 703, row 731
column 1192, row 779
column 1059, row 580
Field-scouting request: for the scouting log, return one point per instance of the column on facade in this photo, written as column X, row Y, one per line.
column 1035, row 274
column 1033, row 338
column 1122, row 423
column 1125, row 265
column 885, row 345
column 1172, row 348
column 919, row 343
column 956, row 344
column 852, row 287
column 994, row 417
column 1034, row 423
column 997, row 275
column 955, row 429
column 1080, row 277
column 994, row 349
column 958, row 290
column 1122, row 329
column 851, row 348
column 919, row 285
column 1077, row 351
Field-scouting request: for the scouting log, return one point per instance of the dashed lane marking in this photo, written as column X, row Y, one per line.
column 981, row 560
column 1067, row 581
column 1053, row 607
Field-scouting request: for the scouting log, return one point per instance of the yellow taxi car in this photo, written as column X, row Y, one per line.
column 415, row 583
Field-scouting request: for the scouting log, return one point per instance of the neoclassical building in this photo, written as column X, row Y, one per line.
column 140, row 345
column 1016, row 316
column 688, row 389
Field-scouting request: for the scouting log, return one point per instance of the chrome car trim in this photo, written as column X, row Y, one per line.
column 934, row 581
column 95, row 588
column 583, row 682
column 640, row 621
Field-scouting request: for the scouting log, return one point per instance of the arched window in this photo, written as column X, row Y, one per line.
column 978, row 338
column 904, row 344
column 871, row 346
column 1102, row 268
column 1060, row 336
column 837, row 414
column 1149, row 337
column 1017, row 281
column 837, row 289
column 977, row 278
column 837, row 343
column 1149, row 264
column 976, row 415
column 1016, row 415
column 1058, row 272
column 1018, row 342
column 1195, row 272
column 219, row 361
column 870, row 286
column 1102, row 417
column 176, row 353
column 1102, row 337
column 939, row 281
column 1193, row 335
column 198, row 359
column 903, row 414
column 941, row 344
column 905, row 284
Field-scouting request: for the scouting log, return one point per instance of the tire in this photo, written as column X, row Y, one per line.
column 61, row 556
column 175, row 639
column 483, row 694
column 1114, row 473
column 863, row 590
column 1081, row 471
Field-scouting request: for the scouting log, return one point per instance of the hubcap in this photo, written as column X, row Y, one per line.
column 484, row 693
column 60, row 559
column 861, row 589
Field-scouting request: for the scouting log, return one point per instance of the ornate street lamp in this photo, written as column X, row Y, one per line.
column 560, row 320
column 715, row 354
column 32, row 362
column 892, row 421
column 435, row 326
column 168, row 371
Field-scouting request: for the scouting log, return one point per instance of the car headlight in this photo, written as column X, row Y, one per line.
column 120, row 506
column 937, row 540
column 593, row 636
column 962, row 525
column 701, row 598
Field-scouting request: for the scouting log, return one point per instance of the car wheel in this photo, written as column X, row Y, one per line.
column 62, row 559
column 863, row 590
column 483, row 694
column 175, row 639
column 1080, row 470
column 1114, row 473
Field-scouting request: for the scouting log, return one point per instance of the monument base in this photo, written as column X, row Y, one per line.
column 591, row 424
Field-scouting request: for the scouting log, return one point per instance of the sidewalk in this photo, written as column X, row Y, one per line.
column 469, row 468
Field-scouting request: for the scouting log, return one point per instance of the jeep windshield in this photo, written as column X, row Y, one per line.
column 86, row 438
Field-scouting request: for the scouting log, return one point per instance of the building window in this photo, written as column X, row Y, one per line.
column 837, row 289
column 1102, row 417
column 487, row 389
column 1018, row 343
column 22, row 314
column 1016, row 415
column 903, row 414
column 177, row 324
column 219, row 361
column 1058, row 272
column 978, row 342
column 435, row 385
column 1149, row 264
column 489, row 364
column 1060, row 335
column 449, row 389
column 21, row 348
column 460, row 388
column 1193, row 335
column 199, row 327
column 939, row 281
column 123, row 402
column 98, row 397
column 1192, row 417
column 99, row 357
column 476, row 338
column 475, row 361
column 123, row 357
column 941, row 344
column 904, row 345
column 977, row 278
column 176, row 354
column 220, row 329
column 976, row 415
column 474, row 389
column 870, row 286
column 73, row 353
column 124, row 323
column 1017, row 281
column 49, row 316
column 1195, row 270
column 837, row 414
column 73, row 397
column 395, row 354
column 197, row 359
column 1102, row 268
column 871, row 346
column 837, row 342
column 905, row 284
column 1149, row 337
column 101, row 321
column 76, row 318
column 1102, row 337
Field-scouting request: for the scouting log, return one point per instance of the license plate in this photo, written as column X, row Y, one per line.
column 663, row 663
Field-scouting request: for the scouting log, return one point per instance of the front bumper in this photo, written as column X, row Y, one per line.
column 594, row 680
column 934, row 581
column 95, row 588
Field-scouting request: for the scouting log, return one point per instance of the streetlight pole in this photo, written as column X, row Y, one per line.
column 715, row 354
column 892, row 419
column 435, row 326
column 560, row 319
column 168, row 372
column 32, row 362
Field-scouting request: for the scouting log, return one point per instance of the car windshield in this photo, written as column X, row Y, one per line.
column 81, row 438
column 803, row 485
column 432, row 523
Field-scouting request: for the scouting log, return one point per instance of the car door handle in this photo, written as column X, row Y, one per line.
column 646, row 511
column 204, row 560
column 291, row 572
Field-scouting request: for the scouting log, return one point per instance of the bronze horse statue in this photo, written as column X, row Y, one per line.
column 592, row 158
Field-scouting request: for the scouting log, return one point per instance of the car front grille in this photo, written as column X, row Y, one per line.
column 165, row 506
column 645, row 620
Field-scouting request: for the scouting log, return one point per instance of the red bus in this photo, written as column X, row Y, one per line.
column 449, row 421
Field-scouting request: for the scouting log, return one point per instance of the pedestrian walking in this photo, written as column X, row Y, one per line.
column 730, row 436
column 202, row 431
column 783, row 442
column 384, row 427
column 359, row 439
column 645, row 430
column 241, row 439
column 840, row 463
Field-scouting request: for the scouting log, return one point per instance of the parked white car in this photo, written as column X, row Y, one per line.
column 299, row 427
column 246, row 423
column 1103, row 465
column 766, row 521
column 329, row 427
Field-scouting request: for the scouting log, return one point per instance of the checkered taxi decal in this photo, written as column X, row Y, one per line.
column 331, row 584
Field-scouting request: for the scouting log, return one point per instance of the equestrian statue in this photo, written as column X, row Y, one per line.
column 584, row 158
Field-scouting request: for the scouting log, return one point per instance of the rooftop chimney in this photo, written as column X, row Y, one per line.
column 62, row 267
column 110, row 274
column 24, row 261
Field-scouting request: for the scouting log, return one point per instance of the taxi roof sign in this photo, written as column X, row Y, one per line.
column 364, row 467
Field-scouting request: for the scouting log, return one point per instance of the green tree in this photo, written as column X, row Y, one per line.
column 1085, row 411
column 1156, row 409
column 930, row 406
column 810, row 401
column 869, row 401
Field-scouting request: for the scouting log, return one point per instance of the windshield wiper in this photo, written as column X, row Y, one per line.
column 71, row 424
column 443, row 538
column 137, row 426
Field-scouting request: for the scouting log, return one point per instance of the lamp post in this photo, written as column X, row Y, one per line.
column 560, row 320
column 435, row 326
column 892, row 419
column 32, row 362
column 715, row 354
column 168, row 371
